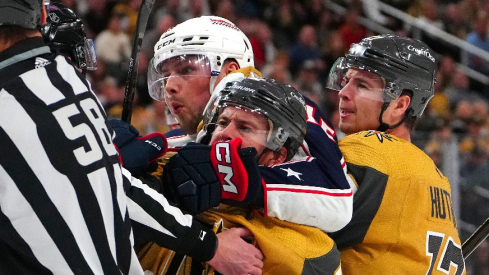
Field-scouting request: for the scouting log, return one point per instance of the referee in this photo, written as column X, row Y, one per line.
column 64, row 200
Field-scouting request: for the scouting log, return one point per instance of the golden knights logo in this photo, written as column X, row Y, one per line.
column 380, row 135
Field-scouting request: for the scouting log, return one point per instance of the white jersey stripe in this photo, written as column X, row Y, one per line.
column 141, row 216
column 304, row 210
column 68, row 73
column 309, row 189
column 121, row 195
column 57, row 186
column 101, row 191
column 184, row 220
column 29, row 227
column 39, row 83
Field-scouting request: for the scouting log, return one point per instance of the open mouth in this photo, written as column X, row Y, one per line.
column 176, row 107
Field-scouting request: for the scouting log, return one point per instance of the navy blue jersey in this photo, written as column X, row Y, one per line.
column 312, row 189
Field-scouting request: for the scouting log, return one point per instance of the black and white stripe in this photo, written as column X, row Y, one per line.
column 63, row 196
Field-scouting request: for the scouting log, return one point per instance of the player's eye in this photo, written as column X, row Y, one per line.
column 222, row 123
column 245, row 129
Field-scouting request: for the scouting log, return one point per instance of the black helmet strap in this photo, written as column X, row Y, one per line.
column 384, row 126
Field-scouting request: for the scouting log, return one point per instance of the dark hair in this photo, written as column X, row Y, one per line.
column 410, row 120
column 15, row 34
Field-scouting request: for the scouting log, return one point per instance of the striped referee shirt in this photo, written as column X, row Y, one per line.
column 66, row 206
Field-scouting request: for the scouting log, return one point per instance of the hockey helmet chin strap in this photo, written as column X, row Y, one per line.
column 384, row 126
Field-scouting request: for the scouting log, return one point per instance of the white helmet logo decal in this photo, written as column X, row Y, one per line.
column 421, row 52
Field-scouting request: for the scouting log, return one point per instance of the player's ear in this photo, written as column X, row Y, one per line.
column 229, row 66
column 278, row 157
column 402, row 104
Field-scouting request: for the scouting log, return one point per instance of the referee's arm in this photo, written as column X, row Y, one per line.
column 154, row 219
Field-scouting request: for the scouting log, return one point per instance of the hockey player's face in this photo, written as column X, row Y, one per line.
column 186, row 90
column 360, row 101
column 251, row 127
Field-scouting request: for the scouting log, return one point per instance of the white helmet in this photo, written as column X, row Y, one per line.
column 213, row 39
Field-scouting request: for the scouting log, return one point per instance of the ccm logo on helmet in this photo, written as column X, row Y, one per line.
column 166, row 43
column 421, row 52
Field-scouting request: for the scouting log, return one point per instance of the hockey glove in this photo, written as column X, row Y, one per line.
column 138, row 153
column 190, row 175
column 197, row 183
column 238, row 173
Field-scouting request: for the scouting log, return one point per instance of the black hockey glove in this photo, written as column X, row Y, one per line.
column 138, row 153
column 201, row 177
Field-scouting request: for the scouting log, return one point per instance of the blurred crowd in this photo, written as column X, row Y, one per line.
column 297, row 42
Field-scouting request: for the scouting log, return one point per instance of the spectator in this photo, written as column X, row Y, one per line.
column 477, row 135
column 171, row 7
column 152, row 36
column 304, row 49
column 446, row 67
column 443, row 149
column 278, row 69
column 193, row 8
column 480, row 259
column 475, row 168
column 459, row 90
column 332, row 49
column 287, row 19
column 454, row 21
column 463, row 114
column 307, row 82
column 351, row 31
column 96, row 17
column 129, row 9
column 225, row 9
column 262, row 43
column 479, row 38
column 114, row 47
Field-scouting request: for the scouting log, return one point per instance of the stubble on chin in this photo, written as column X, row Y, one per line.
column 189, row 124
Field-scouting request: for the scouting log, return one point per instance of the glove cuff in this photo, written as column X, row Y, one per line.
column 148, row 138
column 200, row 243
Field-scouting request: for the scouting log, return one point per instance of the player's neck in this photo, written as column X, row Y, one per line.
column 5, row 44
column 401, row 132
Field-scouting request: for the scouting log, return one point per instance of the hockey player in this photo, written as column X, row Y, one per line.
column 199, row 54
column 403, row 221
column 247, row 124
column 66, row 203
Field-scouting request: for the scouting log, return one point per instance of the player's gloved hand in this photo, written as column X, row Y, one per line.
column 190, row 175
column 200, row 176
column 238, row 173
column 138, row 153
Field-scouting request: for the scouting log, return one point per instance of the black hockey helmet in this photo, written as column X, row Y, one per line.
column 282, row 105
column 24, row 13
column 404, row 64
column 64, row 31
